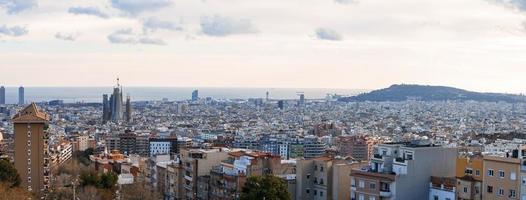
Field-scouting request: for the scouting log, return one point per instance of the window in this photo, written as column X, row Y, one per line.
column 490, row 172
column 490, row 189
column 361, row 197
column 448, row 199
column 465, row 190
column 315, row 192
column 501, row 174
column 523, row 180
column 315, row 167
column 307, row 191
column 468, row 171
column 372, row 185
column 512, row 193
column 477, row 172
column 435, row 197
column 321, row 193
column 500, row 192
column 353, row 182
column 513, row 176
column 321, row 168
column 308, row 176
column 477, row 190
column 372, row 198
column 361, row 184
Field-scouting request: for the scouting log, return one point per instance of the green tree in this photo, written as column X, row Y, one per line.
column 8, row 174
column 267, row 187
column 108, row 180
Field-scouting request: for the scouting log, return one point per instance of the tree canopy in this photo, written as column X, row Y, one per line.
column 8, row 174
column 267, row 187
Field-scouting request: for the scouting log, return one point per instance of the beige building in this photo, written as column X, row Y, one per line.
column 502, row 177
column 196, row 163
column 31, row 151
column 323, row 178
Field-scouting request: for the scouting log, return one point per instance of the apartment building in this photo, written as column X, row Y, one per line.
column 31, row 149
column 442, row 188
column 469, row 175
column 227, row 179
column 402, row 171
column 196, row 163
column 322, row 178
column 357, row 147
column 502, row 177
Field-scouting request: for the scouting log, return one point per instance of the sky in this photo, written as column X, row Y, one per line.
column 356, row 44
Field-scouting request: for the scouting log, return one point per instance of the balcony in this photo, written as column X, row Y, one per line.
column 188, row 177
column 385, row 194
column 377, row 156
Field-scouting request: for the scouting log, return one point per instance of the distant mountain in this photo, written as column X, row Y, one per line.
column 431, row 93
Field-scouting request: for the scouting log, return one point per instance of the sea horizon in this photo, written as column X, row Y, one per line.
column 86, row 94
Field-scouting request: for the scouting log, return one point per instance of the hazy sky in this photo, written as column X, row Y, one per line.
column 472, row 44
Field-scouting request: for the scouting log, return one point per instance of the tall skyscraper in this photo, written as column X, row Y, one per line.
column 195, row 95
column 31, row 149
column 128, row 109
column 302, row 100
column 105, row 108
column 266, row 99
column 21, row 99
column 2, row 95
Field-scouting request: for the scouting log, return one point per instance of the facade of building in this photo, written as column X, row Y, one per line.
column 442, row 188
column 21, row 96
column 469, row 175
column 502, row 177
column 167, row 145
column 31, row 150
column 227, row 179
column 356, row 147
column 195, row 95
column 196, row 163
column 2, row 95
column 402, row 171
column 323, row 178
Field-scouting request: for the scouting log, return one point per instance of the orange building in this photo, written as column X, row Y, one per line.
column 469, row 174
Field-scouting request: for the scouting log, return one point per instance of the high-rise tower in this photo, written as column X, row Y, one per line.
column 2, row 95
column 195, row 95
column 21, row 97
column 105, row 108
column 128, row 109
column 116, row 109
column 31, row 149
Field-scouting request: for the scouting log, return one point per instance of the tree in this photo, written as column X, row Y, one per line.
column 267, row 187
column 13, row 193
column 8, row 174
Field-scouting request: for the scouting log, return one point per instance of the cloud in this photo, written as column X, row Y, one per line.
column 136, row 7
column 154, row 24
column 16, row 6
column 223, row 26
column 66, row 36
column 328, row 34
column 87, row 11
column 14, row 31
column 127, row 36
column 345, row 1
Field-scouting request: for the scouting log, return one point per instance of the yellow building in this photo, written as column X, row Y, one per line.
column 469, row 174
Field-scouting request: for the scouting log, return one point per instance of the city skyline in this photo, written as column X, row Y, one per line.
column 368, row 44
